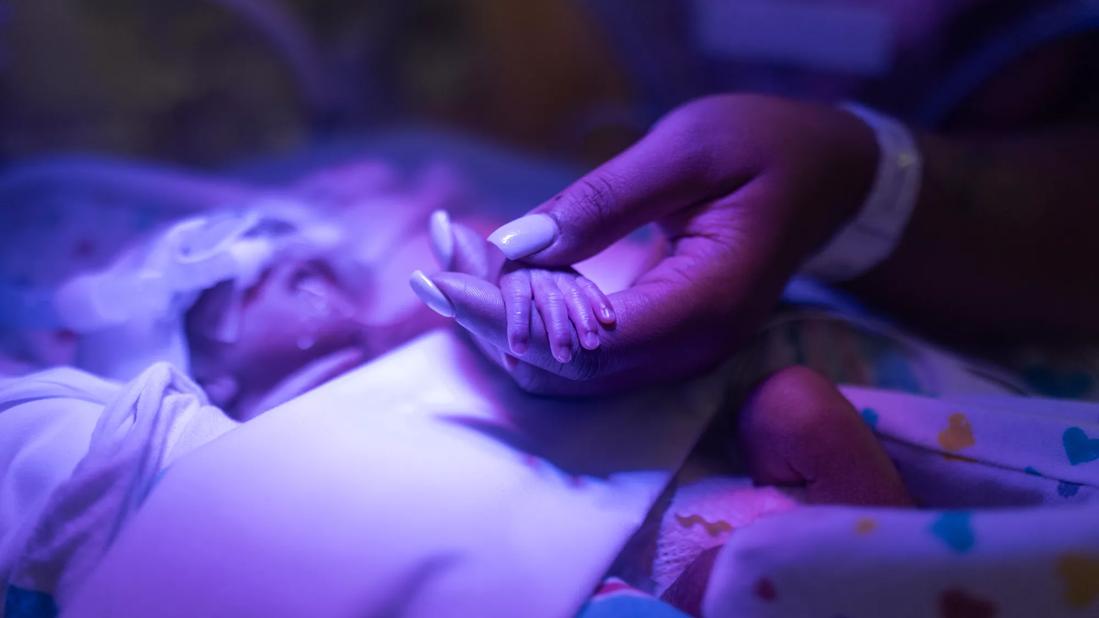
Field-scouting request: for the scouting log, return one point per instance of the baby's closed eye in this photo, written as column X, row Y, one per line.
column 572, row 309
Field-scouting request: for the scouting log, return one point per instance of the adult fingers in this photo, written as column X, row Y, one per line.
column 460, row 249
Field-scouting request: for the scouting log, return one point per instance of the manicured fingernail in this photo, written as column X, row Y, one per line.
column 590, row 340
column 431, row 295
column 524, row 236
column 442, row 238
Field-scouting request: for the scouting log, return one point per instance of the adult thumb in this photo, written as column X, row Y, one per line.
column 649, row 180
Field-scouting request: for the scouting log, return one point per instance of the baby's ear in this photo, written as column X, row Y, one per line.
column 459, row 249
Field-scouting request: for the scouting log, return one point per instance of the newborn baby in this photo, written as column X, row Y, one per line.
column 256, row 293
column 323, row 307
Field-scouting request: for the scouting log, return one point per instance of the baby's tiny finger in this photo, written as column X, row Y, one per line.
column 580, row 310
column 555, row 314
column 515, row 287
column 600, row 303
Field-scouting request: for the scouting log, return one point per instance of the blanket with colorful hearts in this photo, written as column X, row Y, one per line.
column 1007, row 486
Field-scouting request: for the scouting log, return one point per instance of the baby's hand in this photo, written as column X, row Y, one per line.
column 571, row 308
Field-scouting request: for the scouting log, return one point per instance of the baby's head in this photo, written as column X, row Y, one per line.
column 266, row 296
column 243, row 342
column 332, row 297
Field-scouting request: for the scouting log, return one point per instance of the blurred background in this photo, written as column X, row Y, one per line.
column 203, row 83
column 207, row 83
column 119, row 117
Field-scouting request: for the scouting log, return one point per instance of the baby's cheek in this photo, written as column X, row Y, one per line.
column 294, row 340
column 281, row 331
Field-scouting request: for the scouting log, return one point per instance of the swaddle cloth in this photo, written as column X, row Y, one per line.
column 78, row 455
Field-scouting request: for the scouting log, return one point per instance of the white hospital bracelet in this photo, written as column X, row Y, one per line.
column 875, row 231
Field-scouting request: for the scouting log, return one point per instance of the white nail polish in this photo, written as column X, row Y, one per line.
column 432, row 296
column 442, row 238
column 524, row 236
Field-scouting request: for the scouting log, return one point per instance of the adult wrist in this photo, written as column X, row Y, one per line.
column 875, row 228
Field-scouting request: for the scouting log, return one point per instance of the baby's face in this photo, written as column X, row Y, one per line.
column 297, row 309
column 300, row 311
column 295, row 313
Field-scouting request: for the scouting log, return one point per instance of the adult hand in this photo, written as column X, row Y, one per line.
column 743, row 188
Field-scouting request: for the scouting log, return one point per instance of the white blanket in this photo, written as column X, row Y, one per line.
column 423, row 484
column 78, row 454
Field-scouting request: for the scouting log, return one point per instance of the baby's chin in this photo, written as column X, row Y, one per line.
column 245, row 396
column 247, row 368
column 252, row 374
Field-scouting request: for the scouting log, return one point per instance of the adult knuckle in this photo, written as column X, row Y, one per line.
column 698, row 135
column 596, row 197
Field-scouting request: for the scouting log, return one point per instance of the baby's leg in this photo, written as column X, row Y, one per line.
column 797, row 430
